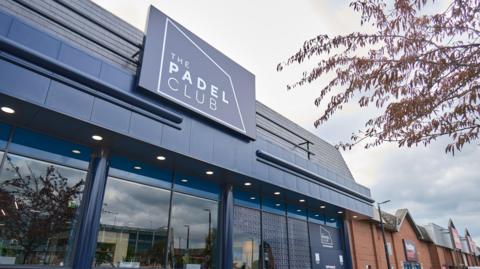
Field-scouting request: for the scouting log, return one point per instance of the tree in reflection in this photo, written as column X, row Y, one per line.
column 39, row 209
column 209, row 249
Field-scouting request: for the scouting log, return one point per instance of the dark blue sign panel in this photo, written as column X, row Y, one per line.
column 326, row 247
column 179, row 66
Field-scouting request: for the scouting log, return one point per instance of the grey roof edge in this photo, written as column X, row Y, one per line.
column 131, row 26
column 309, row 134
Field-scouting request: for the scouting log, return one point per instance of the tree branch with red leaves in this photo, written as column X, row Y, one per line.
column 422, row 70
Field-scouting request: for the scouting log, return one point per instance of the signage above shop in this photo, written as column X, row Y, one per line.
column 179, row 66
column 410, row 250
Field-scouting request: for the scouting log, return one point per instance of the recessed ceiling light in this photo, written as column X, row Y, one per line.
column 322, row 206
column 184, row 180
column 247, row 184
column 137, row 167
column 277, row 204
column 340, row 212
column 316, row 215
column 252, row 198
column 301, row 200
column 8, row 110
column 299, row 210
column 276, row 193
column 209, row 172
column 76, row 151
column 97, row 137
column 161, row 158
column 355, row 216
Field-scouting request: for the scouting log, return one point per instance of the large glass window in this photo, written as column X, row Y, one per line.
column 299, row 246
column 41, row 185
column 133, row 226
column 246, row 238
column 193, row 232
column 38, row 211
column 275, row 246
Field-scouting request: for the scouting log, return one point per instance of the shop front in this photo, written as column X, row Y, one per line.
column 156, row 162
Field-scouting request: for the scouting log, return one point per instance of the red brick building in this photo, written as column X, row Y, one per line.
column 408, row 244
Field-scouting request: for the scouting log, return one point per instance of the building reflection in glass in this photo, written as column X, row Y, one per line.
column 193, row 232
column 246, row 238
column 133, row 226
column 38, row 209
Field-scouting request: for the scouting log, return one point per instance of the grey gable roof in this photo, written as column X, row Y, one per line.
column 393, row 222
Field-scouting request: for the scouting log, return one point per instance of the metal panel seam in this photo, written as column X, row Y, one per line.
column 293, row 167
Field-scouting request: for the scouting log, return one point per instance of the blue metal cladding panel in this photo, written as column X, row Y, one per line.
column 111, row 116
column 314, row 189
column 34, row 39
column 222, row 153
column 69, row 100
column 290, row 181
column 116, row 76
column 300, row 161
column 80, row 60
column 5, row 22
column 176, row 140
column 243, row 159
column 312, row 167
column 260, row 170
column 139, row 125
column 302, row 185
column 196, row 137
column 324, row 193
column 201, row 141
column 22, row 83
column 322, row 171
column 275, row 176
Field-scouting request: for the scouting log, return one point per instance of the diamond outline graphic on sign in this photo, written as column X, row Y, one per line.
column 328, row 241
column 167, row 21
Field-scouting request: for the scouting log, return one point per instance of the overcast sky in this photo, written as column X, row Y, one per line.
column 434, row 186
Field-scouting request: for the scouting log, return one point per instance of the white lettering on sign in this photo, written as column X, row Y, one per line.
column 181, row 80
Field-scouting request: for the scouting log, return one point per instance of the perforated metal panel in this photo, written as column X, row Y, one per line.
column 275, row 245
column 299, row 246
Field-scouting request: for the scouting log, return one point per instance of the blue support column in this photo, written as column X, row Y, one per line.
column 91, row 211
column 225, row 242
column 348, row 260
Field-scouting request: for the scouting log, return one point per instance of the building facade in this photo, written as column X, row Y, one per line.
column 101, row 166
column 408, row 245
